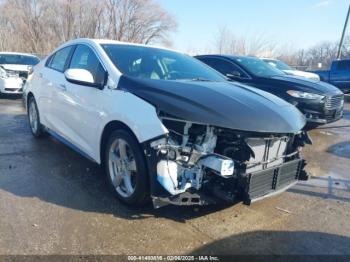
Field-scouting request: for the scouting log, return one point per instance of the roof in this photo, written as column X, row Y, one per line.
column 109, row 41
column 267, row 58
column 225, row 56
column 17, row 53
column 344, row 59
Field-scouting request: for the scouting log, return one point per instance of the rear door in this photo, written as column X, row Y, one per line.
column 51, row 78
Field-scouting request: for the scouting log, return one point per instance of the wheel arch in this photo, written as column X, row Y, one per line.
column 107, row 131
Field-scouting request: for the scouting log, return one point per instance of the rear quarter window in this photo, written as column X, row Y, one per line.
column 343, row 65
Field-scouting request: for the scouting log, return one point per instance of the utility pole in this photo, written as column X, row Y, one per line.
column 343, row 34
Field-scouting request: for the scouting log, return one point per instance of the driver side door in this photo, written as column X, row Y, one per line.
column 83, row 104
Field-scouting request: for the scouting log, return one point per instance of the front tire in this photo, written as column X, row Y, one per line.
column 126, row 168
column 34, row 119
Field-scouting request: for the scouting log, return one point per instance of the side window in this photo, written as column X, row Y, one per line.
column 343, row 65
column 135, row 67
column 224, row 67
column 48, row 60
column 59, row 59
column 85, row 58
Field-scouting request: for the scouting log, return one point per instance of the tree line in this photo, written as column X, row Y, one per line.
column 39, row 26
column 321, row 54
column 261, row 45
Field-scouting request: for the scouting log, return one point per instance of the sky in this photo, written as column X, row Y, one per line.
column 292, row 23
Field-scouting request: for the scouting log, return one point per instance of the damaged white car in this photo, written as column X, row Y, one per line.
column 165, row 126
column 14, row 71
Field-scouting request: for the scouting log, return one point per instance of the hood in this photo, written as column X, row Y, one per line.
column 306, row 85
column 16, row 67
column 308, row 75
column 221, row 104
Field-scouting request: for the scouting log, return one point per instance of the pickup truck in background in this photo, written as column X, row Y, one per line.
column 338, row 75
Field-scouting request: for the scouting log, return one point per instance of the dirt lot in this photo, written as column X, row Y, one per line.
column 53, row 201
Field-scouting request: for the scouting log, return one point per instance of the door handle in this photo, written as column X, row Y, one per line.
column 62, row 87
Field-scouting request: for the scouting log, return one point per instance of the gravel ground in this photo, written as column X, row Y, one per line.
column 53, row 201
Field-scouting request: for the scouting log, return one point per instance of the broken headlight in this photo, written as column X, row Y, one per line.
column 305, row 95
column 186, row 156
column 3, row 73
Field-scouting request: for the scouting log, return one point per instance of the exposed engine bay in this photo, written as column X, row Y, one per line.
column 196, row 163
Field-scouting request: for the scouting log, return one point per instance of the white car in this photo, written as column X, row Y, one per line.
column 165, row 126
column 290, row 71
column 14, row 70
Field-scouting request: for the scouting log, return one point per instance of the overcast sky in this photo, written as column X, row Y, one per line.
column 296, row 23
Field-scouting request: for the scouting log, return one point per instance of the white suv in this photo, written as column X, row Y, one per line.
column 14, row 71
column 165, row 126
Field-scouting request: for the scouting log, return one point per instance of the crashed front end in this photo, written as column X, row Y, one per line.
column 12, row 81
column 199, row 164
column 224, row 142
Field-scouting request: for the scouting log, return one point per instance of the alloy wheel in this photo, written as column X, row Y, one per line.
column 33, row 117
column 122, row 168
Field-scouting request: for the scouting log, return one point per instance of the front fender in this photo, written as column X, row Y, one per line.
column 137, row 114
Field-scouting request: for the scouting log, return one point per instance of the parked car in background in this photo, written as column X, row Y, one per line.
column 164, row 125
column 338, row 75
column 289, row 70
column 14, row 70
column 320, row 102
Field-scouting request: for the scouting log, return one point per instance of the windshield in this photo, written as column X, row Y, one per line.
column 154, row 63
column 18, row 59
column 278, row 64
column 258, row 67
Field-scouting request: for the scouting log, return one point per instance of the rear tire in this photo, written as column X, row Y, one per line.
column 125, row 168
column 34, row 119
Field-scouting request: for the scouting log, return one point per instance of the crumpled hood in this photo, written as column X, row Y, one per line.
column 15, row 67
column 307, row 85
column 222, row 104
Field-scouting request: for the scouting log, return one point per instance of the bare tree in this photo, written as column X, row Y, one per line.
column 324, row 53
column 227, row 42
column 140, row 21
column 38, row 26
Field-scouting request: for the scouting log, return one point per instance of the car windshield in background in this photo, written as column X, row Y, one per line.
column 258, row 67
column 18, row 60
column 154, row 63
column 278, row 64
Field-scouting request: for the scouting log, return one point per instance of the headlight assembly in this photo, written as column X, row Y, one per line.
column 305, row 95
column 30, row 70
column 3, row 73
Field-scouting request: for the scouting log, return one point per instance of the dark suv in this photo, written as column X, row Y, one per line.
column 320, row 102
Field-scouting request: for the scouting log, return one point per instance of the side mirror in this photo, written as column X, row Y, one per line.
column 234, row 74
column 82, row 77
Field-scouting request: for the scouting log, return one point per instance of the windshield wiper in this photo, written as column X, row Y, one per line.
column 201, row 79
